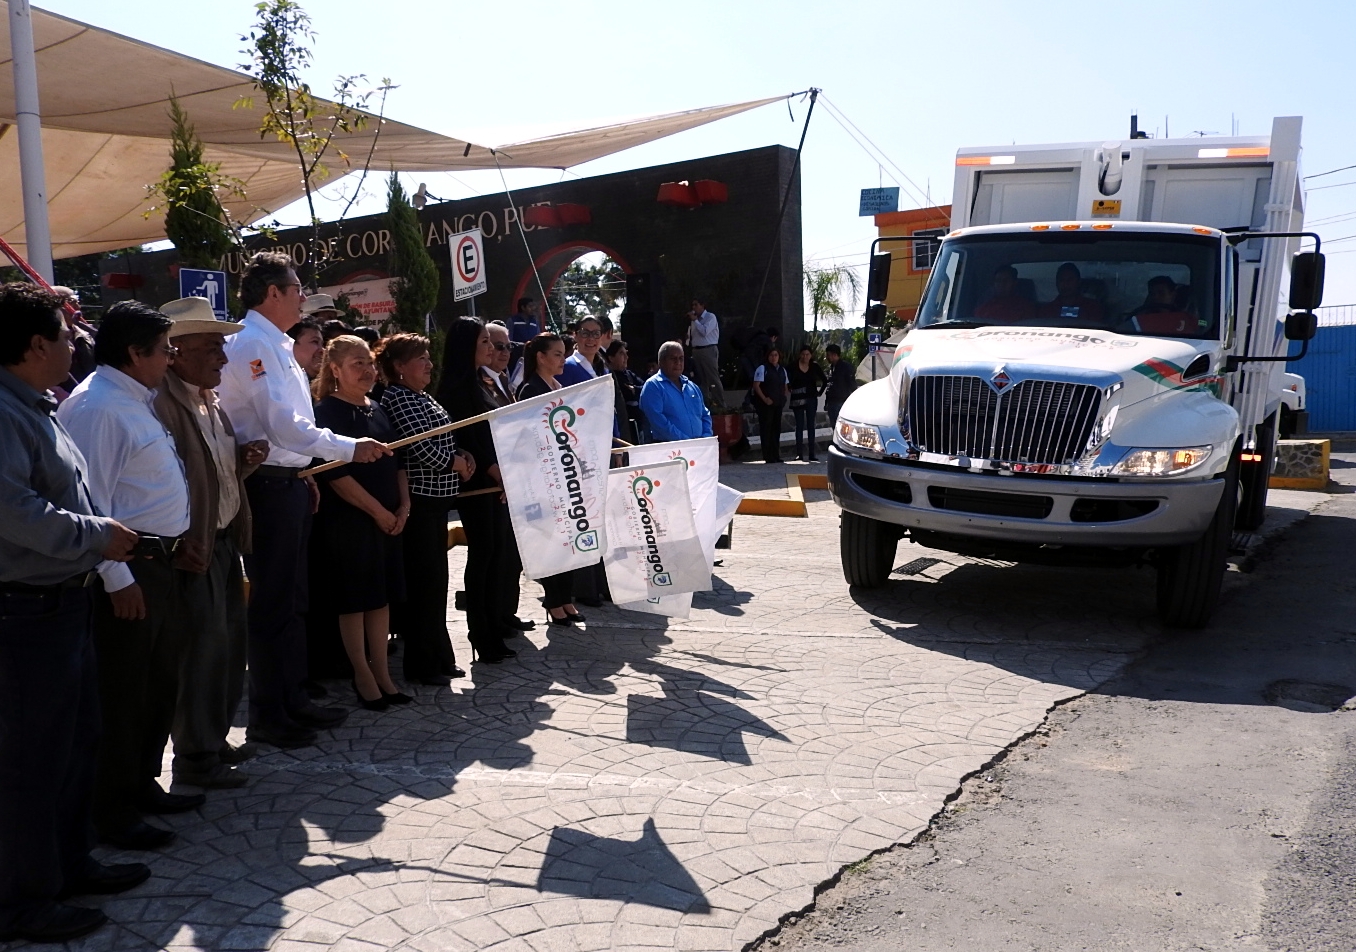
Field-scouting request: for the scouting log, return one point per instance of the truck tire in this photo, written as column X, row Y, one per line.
column 1190, row 576
column 867, row 547
column 1254, row 478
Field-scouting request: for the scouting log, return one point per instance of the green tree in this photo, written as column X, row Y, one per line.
column 415, row 276
column 824, row 289
column 589, row 289
column 279, row 50
column 190, row 193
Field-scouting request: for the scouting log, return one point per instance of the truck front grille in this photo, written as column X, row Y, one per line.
column 1042, row 422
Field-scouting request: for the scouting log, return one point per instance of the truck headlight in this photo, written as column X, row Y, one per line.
column 1166, row 462
column 858, row 436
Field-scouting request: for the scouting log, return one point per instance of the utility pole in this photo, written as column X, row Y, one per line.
column 37, row 233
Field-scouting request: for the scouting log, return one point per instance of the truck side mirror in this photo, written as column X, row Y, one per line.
column 1306, row 283
column 878, row 278
column 876, row 315
column 1302, row 325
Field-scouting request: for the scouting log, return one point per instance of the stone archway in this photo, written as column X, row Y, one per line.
column 551, row 264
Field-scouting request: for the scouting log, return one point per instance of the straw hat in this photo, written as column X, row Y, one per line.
column 193, row 315
column 318, row 302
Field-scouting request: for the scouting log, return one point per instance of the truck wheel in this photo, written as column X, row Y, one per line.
column 1254, row 477
column 868, row 549
column 1190, row 576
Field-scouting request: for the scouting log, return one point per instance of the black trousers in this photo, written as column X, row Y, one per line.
column 278, row 574
column 513, row 577
column 558, row 589
column 770, row 431
column 139, row 662
column 422, row 619
column 488, row 537
column 49, row 735
column 805, row 426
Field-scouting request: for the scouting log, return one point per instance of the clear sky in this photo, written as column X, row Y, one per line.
column 920, row 79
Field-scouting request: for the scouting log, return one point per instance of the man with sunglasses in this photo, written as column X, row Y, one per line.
column 144, row 610
column 267, row 396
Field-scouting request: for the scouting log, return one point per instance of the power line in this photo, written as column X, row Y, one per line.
column 1329, row 172
column 1319, row 188
column 927, row 201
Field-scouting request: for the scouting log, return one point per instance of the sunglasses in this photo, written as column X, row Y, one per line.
column 501, row 347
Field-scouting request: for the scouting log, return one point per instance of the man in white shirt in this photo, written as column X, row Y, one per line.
column 145, row 609
column 704, row 339
column 266, row 394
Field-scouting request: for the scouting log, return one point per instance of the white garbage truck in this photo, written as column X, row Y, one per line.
column 1094, row 374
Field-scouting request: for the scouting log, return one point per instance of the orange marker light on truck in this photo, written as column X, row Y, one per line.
column 986, row 160
column 1252, row 151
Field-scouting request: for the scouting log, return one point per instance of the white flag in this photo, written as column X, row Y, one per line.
column 553, row 453
column 702, row 456
column 653, row 548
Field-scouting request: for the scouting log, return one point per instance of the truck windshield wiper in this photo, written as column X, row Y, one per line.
column 961, row 324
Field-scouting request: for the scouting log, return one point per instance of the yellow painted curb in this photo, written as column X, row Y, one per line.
column 456, row 535
column 1283, row 482
column 793, row 505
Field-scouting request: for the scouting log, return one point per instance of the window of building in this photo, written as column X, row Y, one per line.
column 925, row 252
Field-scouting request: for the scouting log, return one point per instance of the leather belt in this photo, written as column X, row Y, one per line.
column 84, row 580
column 152, row 546
column 278, row 472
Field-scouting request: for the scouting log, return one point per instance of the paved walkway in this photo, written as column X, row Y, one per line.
column 636, row 786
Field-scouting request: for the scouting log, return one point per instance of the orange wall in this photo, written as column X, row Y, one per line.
column 906, row 282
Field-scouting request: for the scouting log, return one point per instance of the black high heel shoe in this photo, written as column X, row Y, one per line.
column 379, row 704
column 398, row 697
column 489, row 654
column 563, row 622
column 575, row 619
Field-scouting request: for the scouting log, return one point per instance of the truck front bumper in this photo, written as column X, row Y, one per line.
column 1032, row 509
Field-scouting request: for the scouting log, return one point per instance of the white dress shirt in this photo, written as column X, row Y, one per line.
column 705, row 331
column 267, row 396
column 135, row 474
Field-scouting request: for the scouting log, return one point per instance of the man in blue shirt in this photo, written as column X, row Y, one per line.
column 51, row 539
column 672, row 404
column 523, row 326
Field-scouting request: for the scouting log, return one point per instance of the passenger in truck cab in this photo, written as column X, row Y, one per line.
column 1070, row 302
column 1163, row 311
column 1007, row 303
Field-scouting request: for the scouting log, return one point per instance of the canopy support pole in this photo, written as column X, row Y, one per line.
column 786, row 197
column 37, row 232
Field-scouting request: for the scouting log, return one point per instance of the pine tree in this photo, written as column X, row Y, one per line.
column 415, row 276
column 194, row 219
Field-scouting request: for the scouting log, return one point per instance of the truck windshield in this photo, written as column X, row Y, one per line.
column 1159, row 285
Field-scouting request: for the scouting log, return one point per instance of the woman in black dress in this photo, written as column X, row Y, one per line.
column 435, row 468
column 485, row 518
column 807, row 382
column 363, row 508
column 543, row 360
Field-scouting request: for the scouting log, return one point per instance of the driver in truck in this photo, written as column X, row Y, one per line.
column 1007, row 302
column 1070, row 302
column 1161, row 313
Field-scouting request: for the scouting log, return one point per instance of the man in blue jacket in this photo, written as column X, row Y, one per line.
column 672, row 404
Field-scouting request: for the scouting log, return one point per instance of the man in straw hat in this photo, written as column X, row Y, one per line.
column 212, row 672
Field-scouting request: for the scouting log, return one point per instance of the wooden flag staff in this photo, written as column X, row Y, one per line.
column 406, row 441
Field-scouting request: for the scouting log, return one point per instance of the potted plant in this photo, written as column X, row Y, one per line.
column 728, row 425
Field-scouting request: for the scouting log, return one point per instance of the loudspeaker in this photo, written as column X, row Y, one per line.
column 638, row 330
column 643, row 291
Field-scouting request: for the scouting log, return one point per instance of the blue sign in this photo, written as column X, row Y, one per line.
column 873, row 337
column 877, row 201
column 205, row 284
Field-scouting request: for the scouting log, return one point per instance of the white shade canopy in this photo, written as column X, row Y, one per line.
column 105, row 101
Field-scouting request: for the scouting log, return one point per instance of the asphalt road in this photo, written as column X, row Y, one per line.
column 1205, row 798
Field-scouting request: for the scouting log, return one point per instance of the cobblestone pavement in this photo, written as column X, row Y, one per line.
column 642, row 786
